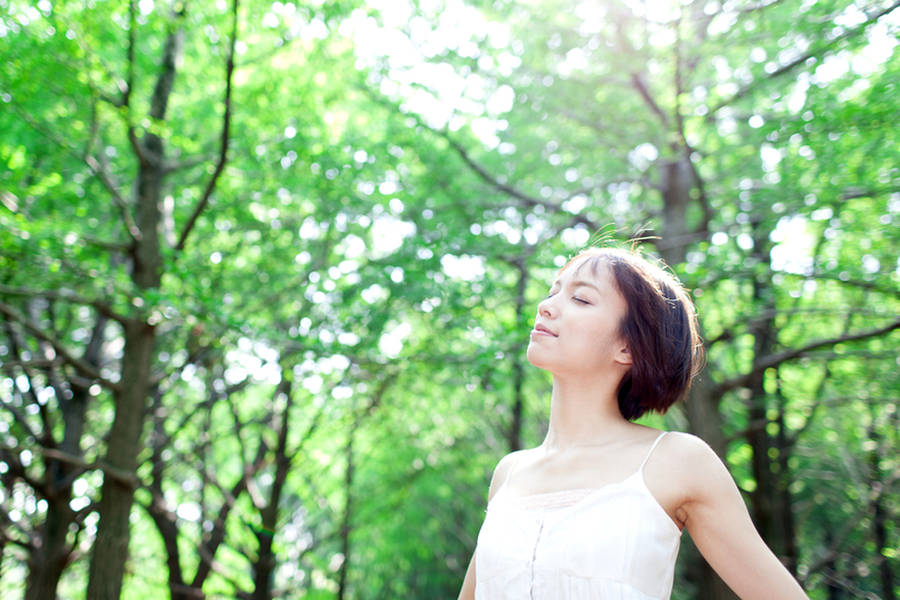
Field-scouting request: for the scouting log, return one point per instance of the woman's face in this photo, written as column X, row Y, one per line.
column 577, row 326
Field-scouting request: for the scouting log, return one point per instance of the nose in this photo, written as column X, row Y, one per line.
column 546, row 308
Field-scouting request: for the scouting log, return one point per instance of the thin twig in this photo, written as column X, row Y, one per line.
column 791, row 65
column 65, row 295
column 98, row 168
column 60, row 350
column 226, row 127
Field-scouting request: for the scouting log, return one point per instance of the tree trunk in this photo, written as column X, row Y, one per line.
column 49, row 560
column 165, row 519
column 107, row 566
column 790, row 554
column 210, row 545
column 879, row 524
column 518, row 410
column 111, row 545
column 677, row 181
column 347, row 516
column 766, row 499
column 835, row 591
column 705, row 421
column 167, row 526
column 702, row 406
column 264, row 567
column 704, row 418
column 110, row 551
column 125, row 441
column 880, row 514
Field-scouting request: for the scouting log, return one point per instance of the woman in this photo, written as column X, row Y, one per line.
column 596, row 511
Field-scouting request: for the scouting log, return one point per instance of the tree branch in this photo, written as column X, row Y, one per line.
column 226, row 126
column 687, row 149
column 80, row 365
column 528, row 200
column 35, row 363
column 119, row 475
column 641, row 88
column 773, row 360
column 21, row 419
column 65, row 295
column 139, row 150
column 834, row 549
column 101, row 169
column 6, row 520
column 106, row 245
column 98, row 168
column 786, row 68
column 172, row 166
column 10, row 456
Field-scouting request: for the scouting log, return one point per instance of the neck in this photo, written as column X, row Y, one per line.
column 583, row 413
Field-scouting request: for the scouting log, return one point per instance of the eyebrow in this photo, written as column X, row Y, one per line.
column 579, row 283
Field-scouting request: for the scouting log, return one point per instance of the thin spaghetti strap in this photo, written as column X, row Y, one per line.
column 650, row 451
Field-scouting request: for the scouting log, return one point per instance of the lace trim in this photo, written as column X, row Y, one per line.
column 553, row 500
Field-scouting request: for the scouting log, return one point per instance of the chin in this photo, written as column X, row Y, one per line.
column 534, row 356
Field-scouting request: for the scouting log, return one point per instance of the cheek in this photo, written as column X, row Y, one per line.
column 599, row 342
column 601, row 330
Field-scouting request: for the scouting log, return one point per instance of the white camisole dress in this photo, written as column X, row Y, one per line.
column 610, row 543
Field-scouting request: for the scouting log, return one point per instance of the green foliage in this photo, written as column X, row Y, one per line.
column 367, row 267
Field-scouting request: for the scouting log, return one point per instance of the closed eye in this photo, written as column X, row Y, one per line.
column 581, row 300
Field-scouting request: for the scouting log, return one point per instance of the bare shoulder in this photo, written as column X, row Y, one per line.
column 503, row 469
column 687, row 447
column 687, row 463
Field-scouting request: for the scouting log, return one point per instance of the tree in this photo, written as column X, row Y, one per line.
column 278, row 289
column 698, row 122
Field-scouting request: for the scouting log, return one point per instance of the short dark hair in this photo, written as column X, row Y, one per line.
column 659, row 327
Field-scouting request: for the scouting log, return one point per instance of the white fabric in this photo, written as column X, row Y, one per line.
column 610, row 543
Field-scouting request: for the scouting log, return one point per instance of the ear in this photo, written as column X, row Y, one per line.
column 623, row 355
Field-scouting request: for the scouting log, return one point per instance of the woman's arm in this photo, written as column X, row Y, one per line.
column 501, row 473
column 717, row 519
column 468, row 587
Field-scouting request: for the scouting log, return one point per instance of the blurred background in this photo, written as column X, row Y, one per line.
column 267, row 272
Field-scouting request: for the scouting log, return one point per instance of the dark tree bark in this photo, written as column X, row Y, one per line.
column 518, row 408
column 764, row 497
column 835, row 591
column 679, row 185
column 162, row 514
column 705, row 421
column 49, row 558
column 164, row 518
column 107, row 566
column 347, row 517
column 264, row 566
column 784, row 444
column 110, row 550
column 880, row 514
column 770, row 500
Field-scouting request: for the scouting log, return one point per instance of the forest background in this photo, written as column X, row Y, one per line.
column 267, row 272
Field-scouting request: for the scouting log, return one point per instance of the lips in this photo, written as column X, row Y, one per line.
column 541, row 329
